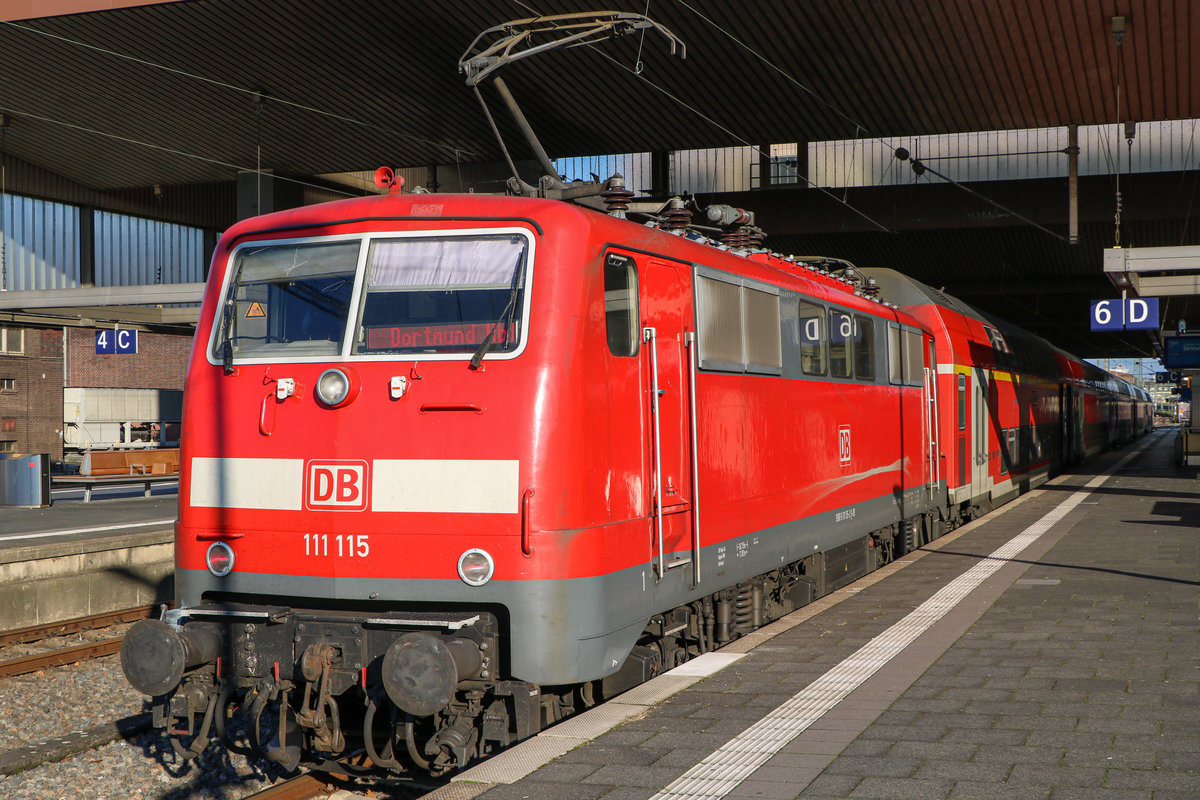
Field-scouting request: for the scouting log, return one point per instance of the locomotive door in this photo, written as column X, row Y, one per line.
column 668, row 380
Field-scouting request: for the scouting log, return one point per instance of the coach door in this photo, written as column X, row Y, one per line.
column 929, row 423
column 962, row 435
column 979, row 428
column 667, row 348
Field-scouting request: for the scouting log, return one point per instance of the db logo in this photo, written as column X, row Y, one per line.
column 844, row 445
column 336, row 485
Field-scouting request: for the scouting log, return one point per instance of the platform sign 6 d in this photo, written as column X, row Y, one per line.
column 336, row 485
column 1135, row 313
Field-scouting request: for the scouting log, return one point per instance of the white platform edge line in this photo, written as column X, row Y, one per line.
column 814, row 701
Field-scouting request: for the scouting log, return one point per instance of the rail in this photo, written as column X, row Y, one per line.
column 302, row 787
column 57, row 658
column 88, row 623
column 24, row 665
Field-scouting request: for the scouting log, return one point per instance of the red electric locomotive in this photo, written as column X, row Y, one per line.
column 457, row 465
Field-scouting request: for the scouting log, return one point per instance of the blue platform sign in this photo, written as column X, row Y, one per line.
column 1133, row 314
column 116, row 342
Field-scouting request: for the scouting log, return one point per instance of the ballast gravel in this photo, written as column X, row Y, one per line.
column 41, row 706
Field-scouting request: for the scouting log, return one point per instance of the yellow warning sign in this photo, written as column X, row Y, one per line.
column 255, row 310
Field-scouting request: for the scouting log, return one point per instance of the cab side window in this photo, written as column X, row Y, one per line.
column 621, row 320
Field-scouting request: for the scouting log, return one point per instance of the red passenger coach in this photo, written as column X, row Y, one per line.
column 456, row 466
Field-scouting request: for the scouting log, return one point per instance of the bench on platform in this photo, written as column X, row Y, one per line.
column 145, row 461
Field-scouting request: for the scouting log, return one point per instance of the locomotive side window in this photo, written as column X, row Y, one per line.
column 739, row 325
column 812, row 339
column 621, row 320
column 914, row 359
column 895, row 355
column 906, row 361
column 864, row 348
column 291, row 299
column 719, row 321
column 761, row 331
column 841, row 336
column 443, row 294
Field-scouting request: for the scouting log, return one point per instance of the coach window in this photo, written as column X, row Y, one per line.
column 621, row 304
column 841, row 334
column 864, row 348
column 962, row 402
column 812, row 339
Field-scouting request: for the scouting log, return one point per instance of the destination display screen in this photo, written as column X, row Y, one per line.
column 419, row 337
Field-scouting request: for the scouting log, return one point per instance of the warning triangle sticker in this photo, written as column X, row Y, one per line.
column 255, row 310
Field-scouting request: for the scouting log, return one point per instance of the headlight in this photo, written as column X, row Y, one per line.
column 333, row 387
column 219, row 559
column 475, row 567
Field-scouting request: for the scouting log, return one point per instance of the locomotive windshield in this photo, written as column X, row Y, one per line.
column 443, row 295
column 289, row 298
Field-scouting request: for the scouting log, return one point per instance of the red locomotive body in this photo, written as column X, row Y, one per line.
column 454, row 466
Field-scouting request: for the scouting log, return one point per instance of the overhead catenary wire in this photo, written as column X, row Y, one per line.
column 746, row 142
column 170, row 150
column 243, row 90
column 850, row 120
column 919, row 167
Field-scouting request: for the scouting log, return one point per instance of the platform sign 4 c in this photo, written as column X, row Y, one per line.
column 120, row 341
column 1132, row 314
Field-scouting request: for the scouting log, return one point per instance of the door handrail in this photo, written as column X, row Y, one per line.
column 689, row 340
column 650, row 335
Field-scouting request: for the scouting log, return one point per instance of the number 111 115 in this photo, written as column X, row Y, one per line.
column 341, row 545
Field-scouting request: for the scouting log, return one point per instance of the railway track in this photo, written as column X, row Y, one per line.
column 25, row 664
column 302, row 787
column 311, row 786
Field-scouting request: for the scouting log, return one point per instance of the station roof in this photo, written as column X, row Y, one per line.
column 115, row 97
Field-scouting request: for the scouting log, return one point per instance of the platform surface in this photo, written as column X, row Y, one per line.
column 68, row 522
column 1048, row 650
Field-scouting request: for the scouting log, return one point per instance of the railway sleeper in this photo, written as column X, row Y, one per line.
column 324, row 689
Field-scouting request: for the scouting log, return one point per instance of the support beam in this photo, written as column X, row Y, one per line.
column 151, row 294
column 1143, row 269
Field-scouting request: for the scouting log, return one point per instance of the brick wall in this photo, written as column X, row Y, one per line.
column 160, row 363
column 31, row 414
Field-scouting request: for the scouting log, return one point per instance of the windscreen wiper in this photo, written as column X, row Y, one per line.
column 227, row 321
column 507, row 313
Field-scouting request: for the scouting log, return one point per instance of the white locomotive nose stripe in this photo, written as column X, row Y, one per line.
column 446, row 486
column 722, row 771
column 272, row 483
